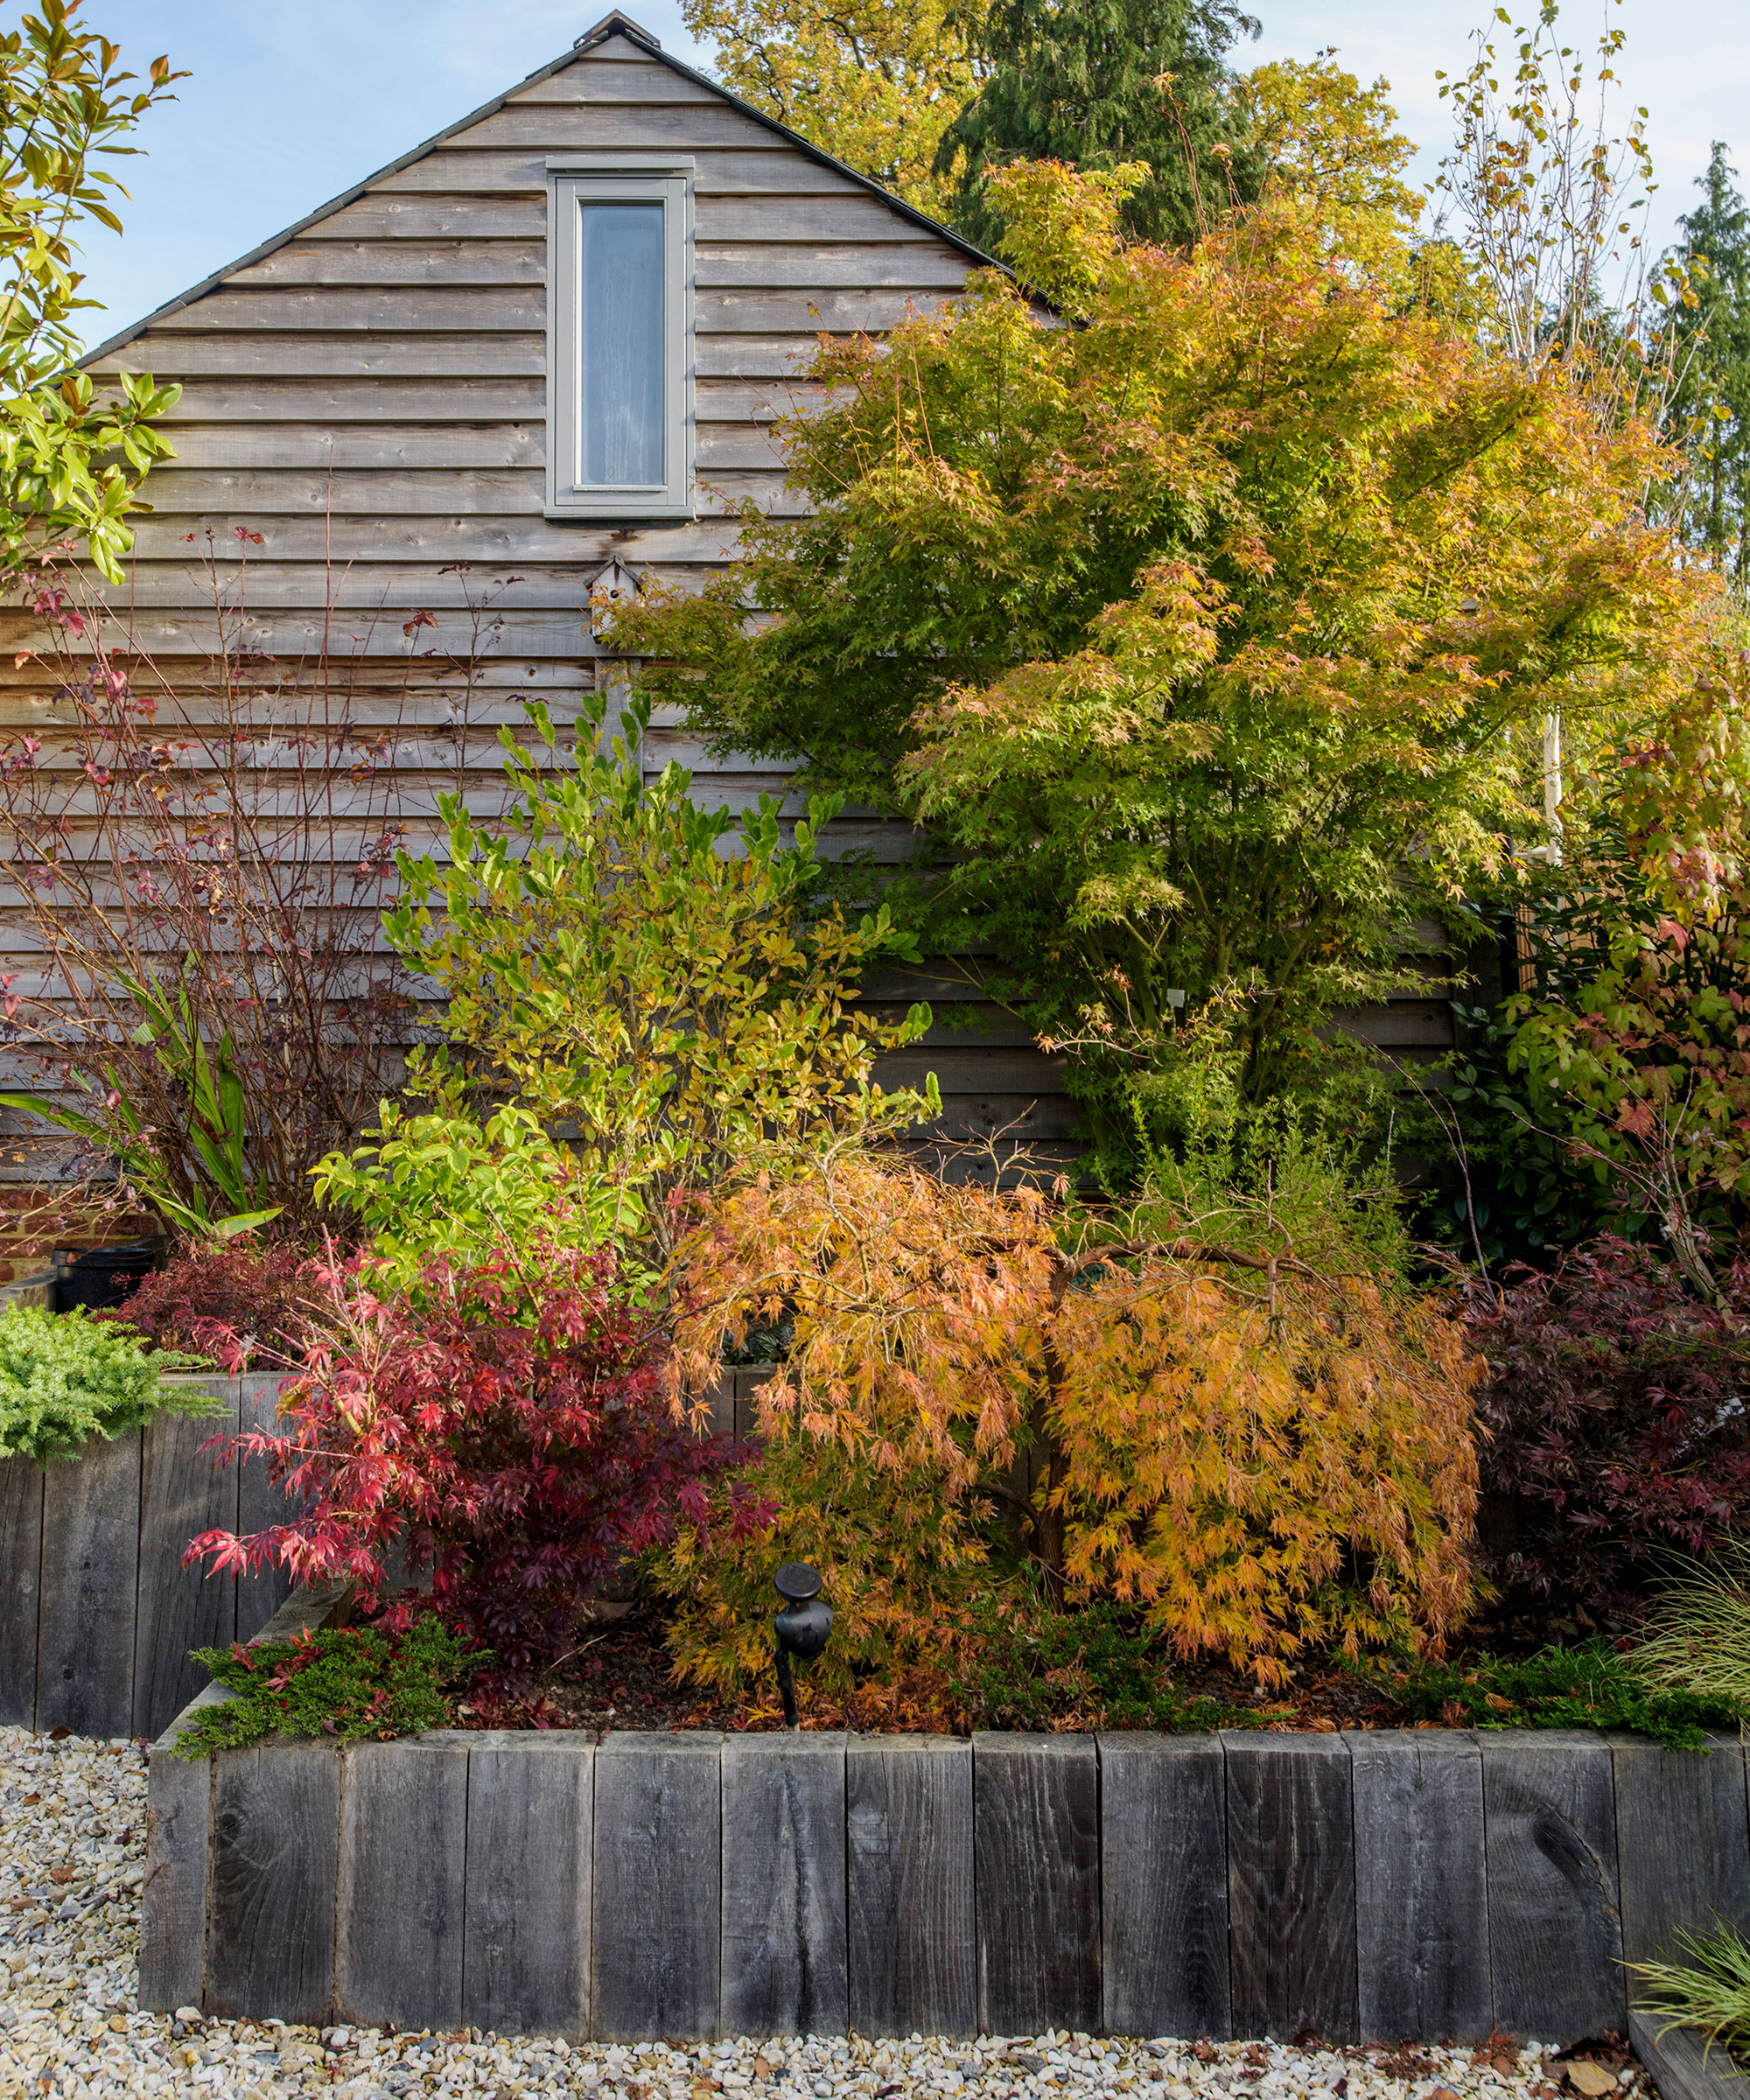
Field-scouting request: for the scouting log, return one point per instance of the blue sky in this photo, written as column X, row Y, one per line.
column 289, row 104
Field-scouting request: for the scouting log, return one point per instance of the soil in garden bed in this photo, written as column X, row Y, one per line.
column 619, row 1676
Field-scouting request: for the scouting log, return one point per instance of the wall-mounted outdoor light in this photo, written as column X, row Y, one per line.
column 800, row 1629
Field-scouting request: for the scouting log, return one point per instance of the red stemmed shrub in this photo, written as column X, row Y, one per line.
column 500, row 1429
column 239, row 1301
column 1616, row 1429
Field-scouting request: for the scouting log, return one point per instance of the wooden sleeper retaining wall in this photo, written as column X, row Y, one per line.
column 97, row 1612
column 1396, row 1885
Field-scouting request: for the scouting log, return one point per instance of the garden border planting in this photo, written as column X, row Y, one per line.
column 97, row 1612
column 1398, row 1885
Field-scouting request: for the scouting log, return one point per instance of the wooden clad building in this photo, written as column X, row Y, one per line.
column 551, row 340
column 395, row 395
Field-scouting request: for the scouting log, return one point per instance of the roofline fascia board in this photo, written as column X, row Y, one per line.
column 611, row 25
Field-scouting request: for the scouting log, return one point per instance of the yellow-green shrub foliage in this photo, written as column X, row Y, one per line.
column 1259, row 1453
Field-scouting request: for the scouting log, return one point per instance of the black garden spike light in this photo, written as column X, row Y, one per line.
column 800, row 1629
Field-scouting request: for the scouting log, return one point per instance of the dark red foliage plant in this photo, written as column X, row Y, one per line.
column 499, row 1429
column 243, row 1303
column 1616, row 1432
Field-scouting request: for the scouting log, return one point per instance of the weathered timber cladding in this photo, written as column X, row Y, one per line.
column 399, row 1916
column 909, row 1844
column 276, row 1871
column 1163, row 1885
column 771, row 1883
column 176, row 1924
column 1683, row 1850
column 1036, row 1840
column 782, row 1950
column 525, row 1940
column 1555, row 1930
column 658, row 1886
column 369, row 394
column 21, row 1553
column 1421, row 1899
column 90, row 1585
column 97, row 1612
column 1291, row 1885
column 182, row 1493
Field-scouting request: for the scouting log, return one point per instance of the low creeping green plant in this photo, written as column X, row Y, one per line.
column 344, row 1682
column 1589, row 1686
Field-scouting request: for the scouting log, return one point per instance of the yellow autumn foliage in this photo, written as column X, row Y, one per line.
column 1259, row 1452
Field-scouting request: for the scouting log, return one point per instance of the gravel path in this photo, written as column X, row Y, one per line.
column 72, row 1852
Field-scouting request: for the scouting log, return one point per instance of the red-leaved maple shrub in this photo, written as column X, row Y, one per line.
column 239, row 1301
column 1616, row 1432
column 500, row 1429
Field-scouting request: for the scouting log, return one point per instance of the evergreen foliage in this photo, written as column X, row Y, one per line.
column 1591, row 1686
column 1096, row 84
column 1712, row 340
column 65, row 1379
column 349, row 1683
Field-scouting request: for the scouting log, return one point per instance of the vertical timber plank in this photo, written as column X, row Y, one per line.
column 259, row 1504
column 276, row 1868
column 1421, row 1886
column 654, row 1935
column 91, row 1578
column 784, row 1934
column 403, row 1833
column 1291, row 1885
column 526, row 1938
column 1036, row 1850
column 1554, row 1927
column 1682, row 1847
column 21, row 1555
column 173, row 1898
column 1163, row 1885
column 182, row 1493
column 908, row 1871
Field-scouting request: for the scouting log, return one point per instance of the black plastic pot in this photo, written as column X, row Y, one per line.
column 102, row 1276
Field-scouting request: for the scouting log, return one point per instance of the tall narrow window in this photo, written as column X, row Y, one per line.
column 620, row 372
column 619, row 338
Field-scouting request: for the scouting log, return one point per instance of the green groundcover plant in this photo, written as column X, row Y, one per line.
column 1592, row 1685
column 346, row 1682
column 1036, row 1667
column 65, row 1379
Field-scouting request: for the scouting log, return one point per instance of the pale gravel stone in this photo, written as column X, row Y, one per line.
column 67, row 2011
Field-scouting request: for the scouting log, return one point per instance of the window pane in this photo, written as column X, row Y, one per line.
column 620, row 283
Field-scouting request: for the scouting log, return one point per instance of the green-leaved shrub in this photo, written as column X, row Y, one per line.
column 65, row 1379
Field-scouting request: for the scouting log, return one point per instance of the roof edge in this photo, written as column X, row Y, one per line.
column 614, row 24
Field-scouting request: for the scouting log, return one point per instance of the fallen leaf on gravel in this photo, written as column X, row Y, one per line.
column 1591, row 2079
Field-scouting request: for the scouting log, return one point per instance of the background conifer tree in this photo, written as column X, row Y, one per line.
column 1098, row 83
column 1713, row 356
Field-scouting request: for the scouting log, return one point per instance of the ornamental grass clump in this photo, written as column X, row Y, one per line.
column 65, row 1379
column 1698, row 1638
column 1256, row 1453
column 1711, row 1991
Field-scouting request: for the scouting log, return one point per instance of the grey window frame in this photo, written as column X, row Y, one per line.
column 574, row 179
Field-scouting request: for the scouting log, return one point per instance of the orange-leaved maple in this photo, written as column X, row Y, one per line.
column 1260, row 1451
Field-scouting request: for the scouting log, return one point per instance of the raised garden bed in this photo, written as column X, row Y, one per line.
column 97, row 1612
column 1388, row 1885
